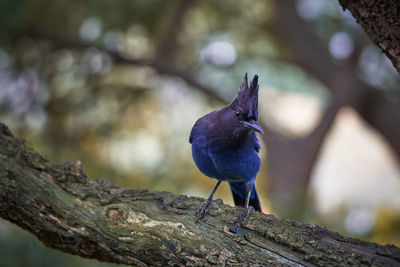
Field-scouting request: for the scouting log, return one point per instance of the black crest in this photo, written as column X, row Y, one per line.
column 246, row 101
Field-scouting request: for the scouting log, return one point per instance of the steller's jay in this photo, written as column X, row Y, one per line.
column 225, row 147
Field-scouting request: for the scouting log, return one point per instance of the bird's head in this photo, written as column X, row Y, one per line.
column 245, row 106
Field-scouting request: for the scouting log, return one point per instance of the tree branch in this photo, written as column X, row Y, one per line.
column 381, row 21
column 342, row 81
column 345, row 88
column 96, row 219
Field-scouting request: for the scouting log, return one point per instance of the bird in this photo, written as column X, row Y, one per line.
column 225, row 147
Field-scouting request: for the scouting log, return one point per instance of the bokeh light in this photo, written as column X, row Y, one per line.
column 219, row 53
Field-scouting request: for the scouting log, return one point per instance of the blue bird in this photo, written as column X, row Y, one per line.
column 225, row 147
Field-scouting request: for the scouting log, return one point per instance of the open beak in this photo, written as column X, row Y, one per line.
column 253, row 125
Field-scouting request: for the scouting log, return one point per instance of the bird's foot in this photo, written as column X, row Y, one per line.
column 205, row 208
column 242, row 218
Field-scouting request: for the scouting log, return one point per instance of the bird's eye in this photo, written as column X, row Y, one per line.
column 237, row 114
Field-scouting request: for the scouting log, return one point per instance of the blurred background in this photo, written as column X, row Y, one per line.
column 119, row 84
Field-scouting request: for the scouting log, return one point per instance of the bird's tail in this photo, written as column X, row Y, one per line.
column 239, row 195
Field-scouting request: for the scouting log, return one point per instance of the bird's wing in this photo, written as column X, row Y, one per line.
column 214, row 156
column 212, row 159
column 192, row 132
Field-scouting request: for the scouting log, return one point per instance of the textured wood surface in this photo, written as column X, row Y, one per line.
column 381, row 21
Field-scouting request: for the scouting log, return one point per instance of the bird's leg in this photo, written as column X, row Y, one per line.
column 242, row 218
column 205, row 207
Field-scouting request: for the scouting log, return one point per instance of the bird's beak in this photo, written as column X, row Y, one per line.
column 253, row 125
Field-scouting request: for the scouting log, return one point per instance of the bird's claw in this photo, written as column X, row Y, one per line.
column 242, row 218
column 205, row 208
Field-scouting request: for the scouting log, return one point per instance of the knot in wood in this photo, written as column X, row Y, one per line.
column 113, row 214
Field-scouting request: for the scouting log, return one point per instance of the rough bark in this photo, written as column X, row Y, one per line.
column 96, row 219
column 381, row 21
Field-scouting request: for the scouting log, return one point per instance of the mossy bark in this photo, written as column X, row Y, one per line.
column 96, row 219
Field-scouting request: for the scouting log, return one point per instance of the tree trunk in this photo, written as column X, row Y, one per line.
column 381, row 21
column 96, row 219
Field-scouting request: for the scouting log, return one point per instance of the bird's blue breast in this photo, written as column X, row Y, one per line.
column 237, row 164
column 226, row 163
